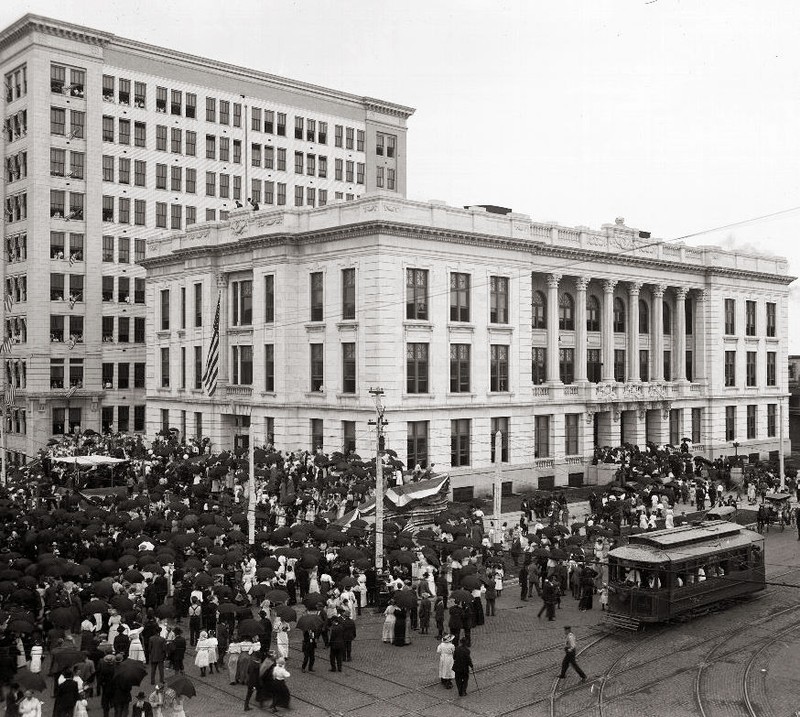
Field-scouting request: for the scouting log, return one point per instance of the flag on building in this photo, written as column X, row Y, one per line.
column 7, row 345
column 72, row 259
column 212, row 359
column 10, row 395
column 9, row 302
column 72, row 391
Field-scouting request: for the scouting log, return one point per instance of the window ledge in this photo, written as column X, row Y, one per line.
column 240, row 329
column 414, row 324
column 501, row 328
column 269, row 394
column 458, row 327
column 315, row 326
column 163, row 333
column 347, row 395
column 315, row 394
column 347, row 324
column 509, row 394
column 461, row 395
column 412, row 396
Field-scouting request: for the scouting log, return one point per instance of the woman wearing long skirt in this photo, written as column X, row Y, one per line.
column 234, row 649
column 445, row 650
column 389, row 621
column 136, row 649
column 280, row 690
column 203, row 657
column 399, row 627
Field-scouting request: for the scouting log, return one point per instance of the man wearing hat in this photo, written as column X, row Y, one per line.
column 141, row 707
column 462, row 661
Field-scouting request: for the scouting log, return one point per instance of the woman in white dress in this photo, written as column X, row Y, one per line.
column 388, row 623
column 203, row 657
column 498, row 580
column 234, row 649
column 36, row 657
column 445, row 650
column 136, row 650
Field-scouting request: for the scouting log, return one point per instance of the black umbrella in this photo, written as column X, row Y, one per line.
column 130, row 672
column 182, row 685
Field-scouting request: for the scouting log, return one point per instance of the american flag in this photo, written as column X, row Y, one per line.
column 7, row 345
column 72, row 390
column 212, row 360
column 72, row 259
column 10, row 394
column 9, row 302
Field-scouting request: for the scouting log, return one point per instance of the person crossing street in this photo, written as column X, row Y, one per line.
column 570, row 646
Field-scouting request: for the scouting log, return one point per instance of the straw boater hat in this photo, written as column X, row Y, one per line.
column 447, row 638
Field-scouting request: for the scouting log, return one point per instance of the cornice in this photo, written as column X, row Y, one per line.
column 413, row 231
column 48, row 26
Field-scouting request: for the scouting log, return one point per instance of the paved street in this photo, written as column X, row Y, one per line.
column 517, row 656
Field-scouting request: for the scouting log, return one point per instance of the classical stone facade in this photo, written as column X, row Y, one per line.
column 109, row 141
column 472, row 322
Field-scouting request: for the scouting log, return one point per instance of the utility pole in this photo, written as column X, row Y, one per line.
column 251, row 484
column 781, row 466
column 498, row 480
column 379, row 423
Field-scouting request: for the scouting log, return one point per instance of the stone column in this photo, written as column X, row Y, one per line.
column 657, row 334
column 680, row 335
column 607, row 373
column 701, row 309
column 552, row 328
column 580, row 329
column 633, row 331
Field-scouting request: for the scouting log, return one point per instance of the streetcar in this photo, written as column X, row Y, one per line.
column 663, row 574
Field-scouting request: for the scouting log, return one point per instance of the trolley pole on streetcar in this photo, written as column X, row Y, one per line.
column 379, row 423
column 498, row 480
column 781, row 466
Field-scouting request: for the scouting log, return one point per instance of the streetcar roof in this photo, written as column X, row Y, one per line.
column 642, row 553
column 687, row 534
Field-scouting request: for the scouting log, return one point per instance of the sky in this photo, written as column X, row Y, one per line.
column 680, row 117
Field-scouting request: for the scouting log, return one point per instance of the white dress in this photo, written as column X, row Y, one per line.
column 136, row 650
column 445, row 651
column 36, row 658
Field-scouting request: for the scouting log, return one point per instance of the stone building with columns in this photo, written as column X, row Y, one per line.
column 472, row 322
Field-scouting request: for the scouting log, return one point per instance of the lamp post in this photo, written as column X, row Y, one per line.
column 736, row 455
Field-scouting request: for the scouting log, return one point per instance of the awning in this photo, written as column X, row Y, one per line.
column 402, row 495
column 88, row 461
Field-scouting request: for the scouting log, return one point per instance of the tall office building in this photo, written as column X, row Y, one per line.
column 109, row 141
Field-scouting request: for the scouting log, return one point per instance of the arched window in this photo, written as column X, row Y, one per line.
column 592, row 313
column 566, row 312
column 644, row 317
column 539, row 311
column 667, row 314
column 619, row 316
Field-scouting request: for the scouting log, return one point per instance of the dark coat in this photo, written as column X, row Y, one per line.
column 349, row 629
column 456, row 621
column 66, row 698
column 337, row 637
column 462, row 660
column 158, row 649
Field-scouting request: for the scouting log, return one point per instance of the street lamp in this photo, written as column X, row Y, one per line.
column 736, row 448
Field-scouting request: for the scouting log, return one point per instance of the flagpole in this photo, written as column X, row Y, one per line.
column 3, row 441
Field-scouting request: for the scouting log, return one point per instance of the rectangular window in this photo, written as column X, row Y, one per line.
column 566, row 365
column 459, row 368
column 58, row 119
column 541, row 437
column 269, row 298
column 123, row 375
column 498, row 371
column 138, row 250
column 191, row 180
column 644, row 365
column 176, row 102
column 571, row 434
column 348, row 368
column 124, row 170
column 164, row 367
column 124, row 249
column 281, row 123
column 138, row 291
column 348, row 294
column 460, row 431
column 619, row 365
column 211, row 109
column 176, row 140
column 242, row 302
column 360, row 169
column 459, row 297
column 750, row 373
column 323, row 197
column 750, row 318
column 752, row 418
column 176, row 216
column 417, row 368
column 338, row 170
column 165, row 309
column 161, row 214
column 224, row 149
column 198, row 305
column 123, row 330
column 697, row 425
column 125, row 132
column 139, row 134
column 108, row 128
column 123, row 289
column 191, row 105
column 161, row 138
column 538, row 365
column 242, row 365
column 771, row 320
column 417, row 444
column 198, row 367
column 730, row 368
column 667, row 365
column 211, row 184
column 161, row 99
column 298, row 128
column 498, row 300
column 771, row 368
column 108, row 166
column 317, row 434
column 772, row 414
column 349, row 166
column 593, row 366
column 379, row 181
column 108, row 251
column 730, row 316
column 730, row 423
column 281, row 201
column 161, row 176
column 675, row 425
column 176, row 178
column 317, row 366
column 317, row 296
column 269, row 367
column 417, row 294
column 338, row 135
column 689, row 366
column 139, row 94
column 139, row 211
column 349, row 137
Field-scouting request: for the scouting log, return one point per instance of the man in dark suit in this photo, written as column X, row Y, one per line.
column 150, row 628
column 178, row 650
column 157, row 653
column 523, row 582
column 349, row 629
column 336, row 641
column 462, row 661
column 122, row 642
column 253, row 681
column 456, row 621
